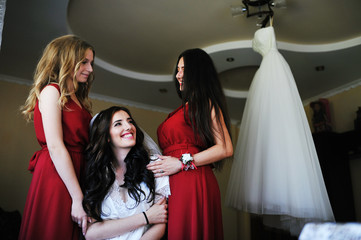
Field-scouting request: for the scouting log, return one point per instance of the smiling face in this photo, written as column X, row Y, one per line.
column 122, row 132
column 86, row 67
column 180, row 73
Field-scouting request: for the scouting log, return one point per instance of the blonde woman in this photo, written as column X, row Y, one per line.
column 59, row 106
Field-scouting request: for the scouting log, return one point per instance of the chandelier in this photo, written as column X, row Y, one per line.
column 260, row 8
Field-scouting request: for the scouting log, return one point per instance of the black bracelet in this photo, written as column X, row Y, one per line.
column 145, row 215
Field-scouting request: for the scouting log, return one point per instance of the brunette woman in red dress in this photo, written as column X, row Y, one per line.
column 194, row 139
column 59, row 105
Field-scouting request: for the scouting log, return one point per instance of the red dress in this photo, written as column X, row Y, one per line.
column 194, row 205
column 47, row 212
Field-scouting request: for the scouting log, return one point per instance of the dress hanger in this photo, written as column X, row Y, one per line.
column 265, row 21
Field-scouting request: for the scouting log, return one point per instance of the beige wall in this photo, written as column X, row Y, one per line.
column 343, row 107
column 18, row 143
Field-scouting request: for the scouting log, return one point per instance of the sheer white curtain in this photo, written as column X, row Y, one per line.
column 2, row 14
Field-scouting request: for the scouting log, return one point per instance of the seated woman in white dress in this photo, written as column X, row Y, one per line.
column 121, row 197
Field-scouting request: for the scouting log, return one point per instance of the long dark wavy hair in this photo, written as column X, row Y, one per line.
column 202, row 91
column 100, row 174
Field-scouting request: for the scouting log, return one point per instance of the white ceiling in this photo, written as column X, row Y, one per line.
column 137, row 44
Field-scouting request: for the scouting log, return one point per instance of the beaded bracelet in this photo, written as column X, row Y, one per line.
column 187, row 162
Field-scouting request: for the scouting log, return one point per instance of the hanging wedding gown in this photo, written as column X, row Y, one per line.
column 276, row 170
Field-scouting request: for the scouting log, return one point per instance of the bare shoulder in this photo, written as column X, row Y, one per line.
column 48, row 98
column 49, row 91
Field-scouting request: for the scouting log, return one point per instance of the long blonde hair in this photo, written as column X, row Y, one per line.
column 61, row 60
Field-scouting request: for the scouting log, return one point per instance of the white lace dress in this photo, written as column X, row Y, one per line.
column 276, row 171
column 113, row 206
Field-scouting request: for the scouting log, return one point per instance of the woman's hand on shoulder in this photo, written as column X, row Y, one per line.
column 165, row 167
column 158, row 212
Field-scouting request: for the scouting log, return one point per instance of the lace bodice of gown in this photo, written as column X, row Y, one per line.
column 264, row 40
column 115, row 207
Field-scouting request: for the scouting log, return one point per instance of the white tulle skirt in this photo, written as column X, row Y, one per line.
column 276, row 169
